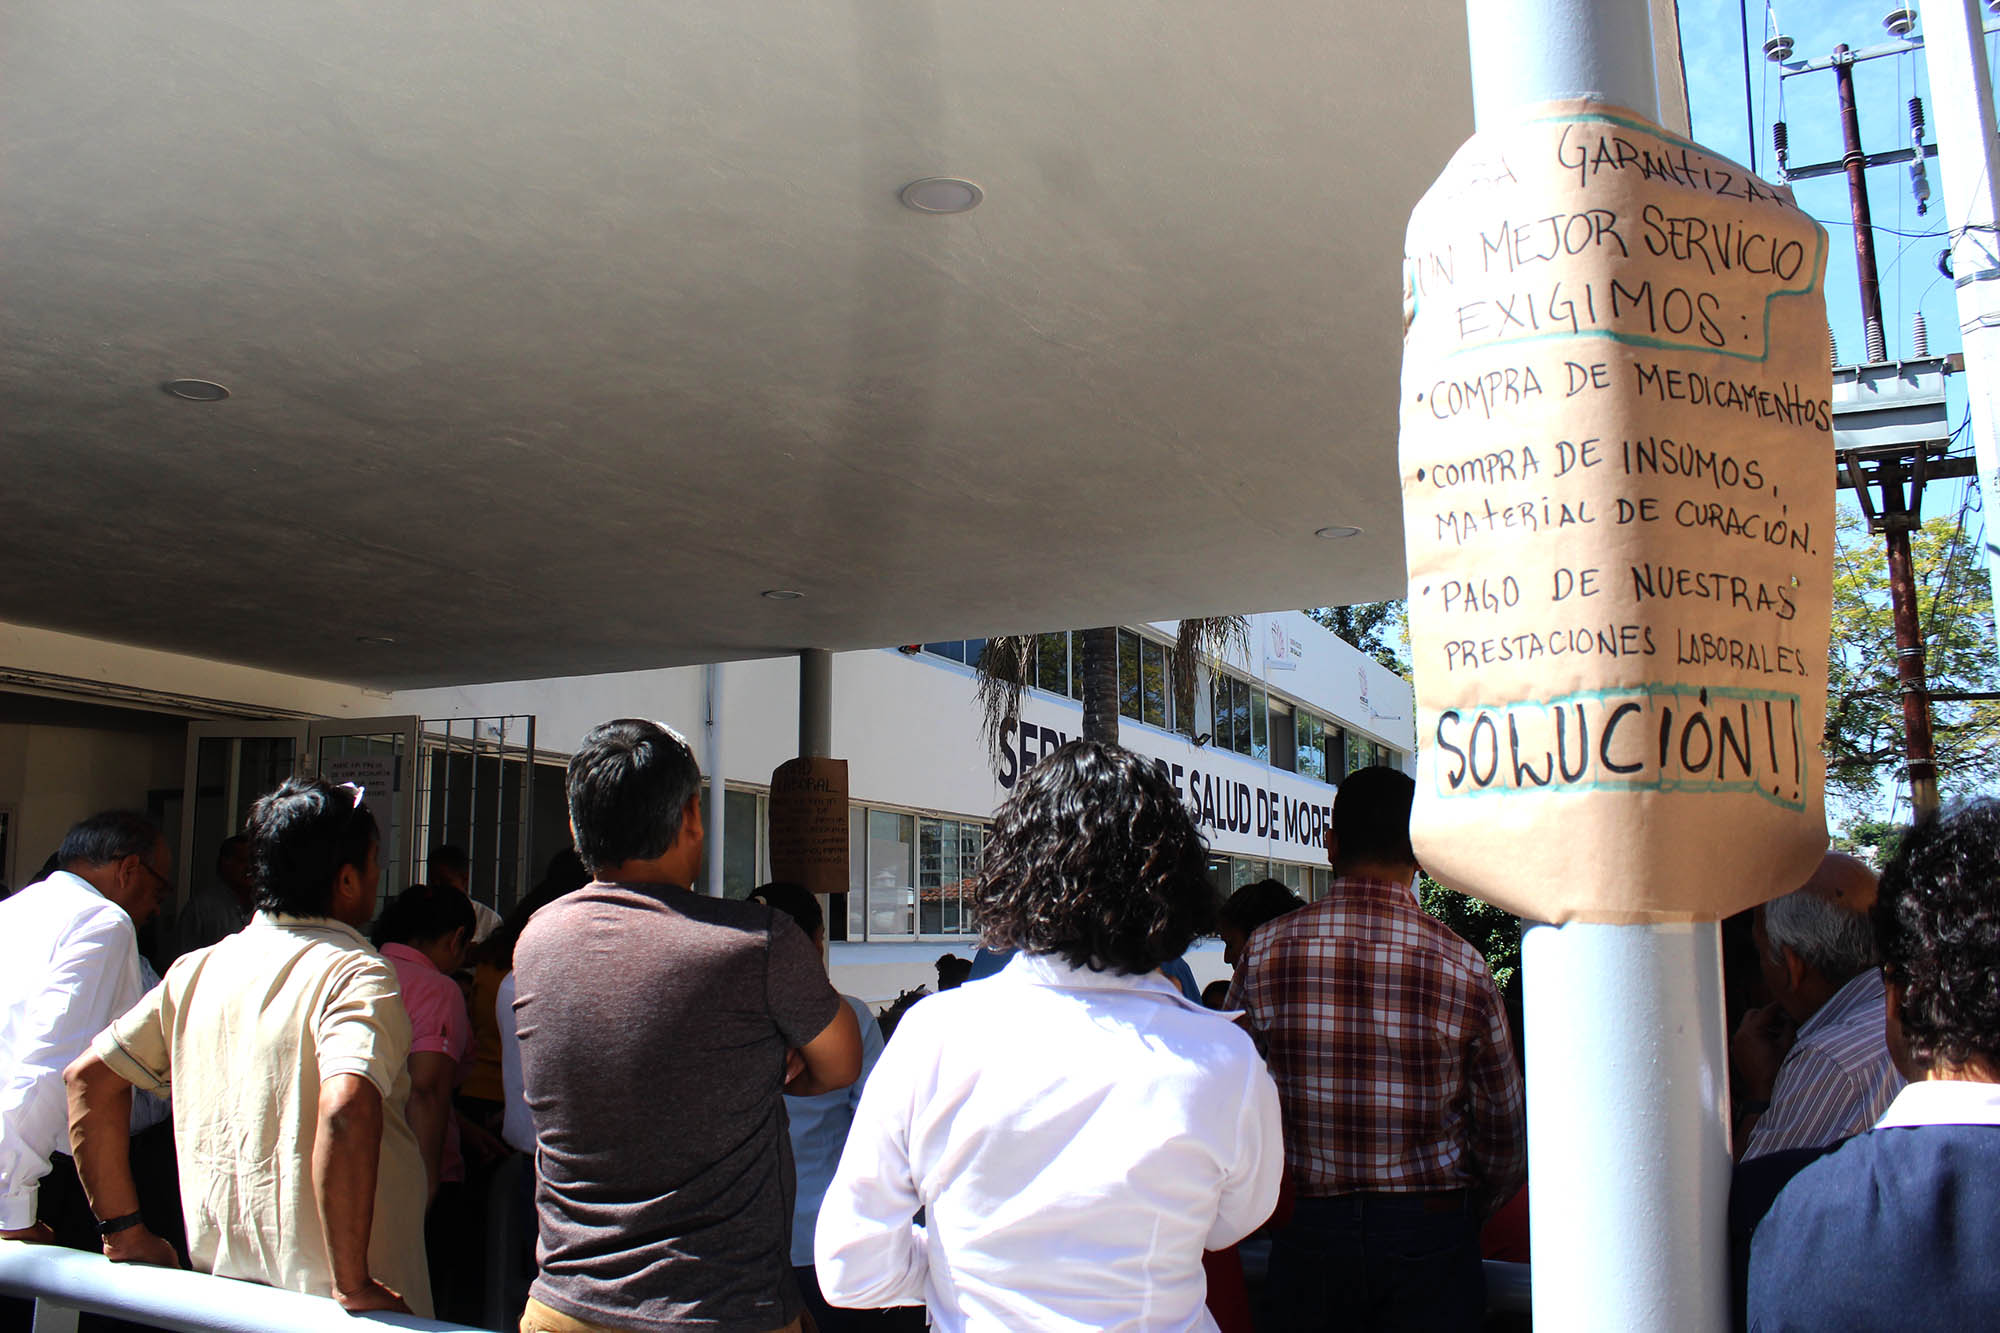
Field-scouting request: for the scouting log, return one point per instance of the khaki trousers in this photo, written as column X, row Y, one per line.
column 539, row 1318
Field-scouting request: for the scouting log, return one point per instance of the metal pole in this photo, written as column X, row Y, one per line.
column 815, row 703
column 1628, row 1147
column 1628, row 1126
column 711, row 679
column 1856, row 163
column 1968, row 148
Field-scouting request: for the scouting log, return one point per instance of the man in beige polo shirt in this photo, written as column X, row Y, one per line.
column 286, row 1049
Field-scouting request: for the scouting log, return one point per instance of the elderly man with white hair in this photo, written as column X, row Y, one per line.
column 1835, row 1077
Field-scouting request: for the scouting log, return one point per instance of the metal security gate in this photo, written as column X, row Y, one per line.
column 477, row 791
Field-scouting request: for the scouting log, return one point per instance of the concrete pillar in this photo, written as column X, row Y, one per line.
column 711, row 763
column 815, row 703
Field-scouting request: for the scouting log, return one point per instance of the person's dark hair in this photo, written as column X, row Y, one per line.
column 1215, row 995
column 566, row 874
column 1371, row 817
column 301, row 835
column 1937, row 924
column 795, row 901
column 449, row 856
column 423, row 913
column 628, row 783
column 952, row 971
column 1254, row 904
column 892, row 1013
column 1095, row 859
column 110, row 836
column 229, row 844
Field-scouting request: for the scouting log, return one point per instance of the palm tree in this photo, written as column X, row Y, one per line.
column 1006, row 666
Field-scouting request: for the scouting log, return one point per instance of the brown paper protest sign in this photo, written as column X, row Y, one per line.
column 1618, row 486
column 809, row 824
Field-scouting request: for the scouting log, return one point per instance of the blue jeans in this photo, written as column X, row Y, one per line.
column 1378, row 1262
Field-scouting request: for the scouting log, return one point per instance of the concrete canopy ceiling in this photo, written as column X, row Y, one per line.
column 557, row 333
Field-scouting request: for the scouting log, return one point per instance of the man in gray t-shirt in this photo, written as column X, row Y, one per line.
column 657, row 1029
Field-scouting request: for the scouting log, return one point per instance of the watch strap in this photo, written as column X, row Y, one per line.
column 118, row 1224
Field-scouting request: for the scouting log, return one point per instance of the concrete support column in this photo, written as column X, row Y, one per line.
column 815, row 703
column 1627, row 1056
column 711, row 763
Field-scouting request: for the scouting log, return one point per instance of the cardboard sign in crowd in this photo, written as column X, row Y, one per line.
column 1618, row 482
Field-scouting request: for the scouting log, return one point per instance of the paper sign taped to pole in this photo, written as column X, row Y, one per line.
column 1618, row 483
column 809, row 824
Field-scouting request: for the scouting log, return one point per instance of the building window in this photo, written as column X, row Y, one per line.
column 952, row 648
column 1242, row 716
column 948, row 853
column 1129, row 693
column 1052, row 662
column 1310, row 756
column 1153, row 683
column 910, row 875
column 891, row 887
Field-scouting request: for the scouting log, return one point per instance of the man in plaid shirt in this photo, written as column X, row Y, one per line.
column 1402, row 1103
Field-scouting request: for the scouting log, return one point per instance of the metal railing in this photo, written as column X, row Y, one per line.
column 63, row 1283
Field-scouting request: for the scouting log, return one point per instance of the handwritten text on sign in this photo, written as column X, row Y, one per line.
column 1617, row 482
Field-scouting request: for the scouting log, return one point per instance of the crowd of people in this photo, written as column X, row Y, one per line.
column 629, row 1106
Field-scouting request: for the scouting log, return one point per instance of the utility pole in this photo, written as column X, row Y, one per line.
column 1855, row 162
column 1900, row 470
column 1902, row 508
column 1968, row 148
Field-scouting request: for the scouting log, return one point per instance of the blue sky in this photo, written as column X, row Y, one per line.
column 1712, row 40
column 1711, row 37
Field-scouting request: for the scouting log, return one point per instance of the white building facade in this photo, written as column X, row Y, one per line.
column 1275, row 725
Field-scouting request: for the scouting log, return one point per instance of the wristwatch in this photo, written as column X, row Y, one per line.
column 118, row 1224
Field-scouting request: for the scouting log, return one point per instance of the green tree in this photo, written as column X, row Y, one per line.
column 1495, row 933
column 1007, row 664
column 1875, row 839
column 1864, row 717
column 1376, row 628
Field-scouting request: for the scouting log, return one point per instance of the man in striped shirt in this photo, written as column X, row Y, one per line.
column 1835, row 1077
column 1402, row 1103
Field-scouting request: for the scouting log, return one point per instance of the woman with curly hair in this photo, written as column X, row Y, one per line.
column 1896, row 1228
column 1074, row 1129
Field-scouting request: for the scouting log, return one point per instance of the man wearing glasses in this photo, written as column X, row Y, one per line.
column 69, row 964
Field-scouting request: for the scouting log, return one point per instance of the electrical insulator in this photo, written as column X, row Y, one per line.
column 1832, row 349
column 1920, row 338
column 1779, row 49
column 1920, row 181
column 1901, row 22
column 1781, row 139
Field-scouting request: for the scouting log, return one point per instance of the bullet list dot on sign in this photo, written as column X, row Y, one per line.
column 1420, row 474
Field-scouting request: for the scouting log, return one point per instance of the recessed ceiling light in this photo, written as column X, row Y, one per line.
column 783, row 594
column 196, row 391
column 942, row 194
column 376, row 640
column 1337, row 531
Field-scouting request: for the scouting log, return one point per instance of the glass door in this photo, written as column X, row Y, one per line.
column 229, row 765
column 376, row 754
